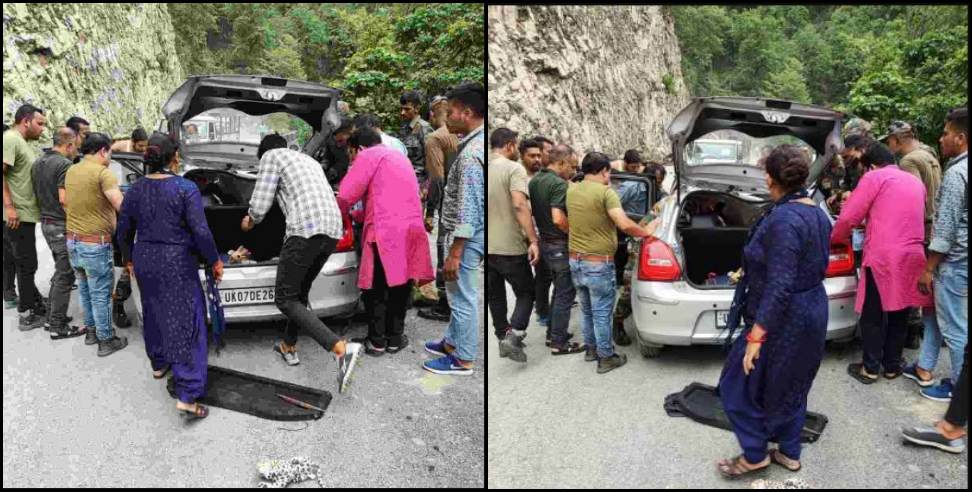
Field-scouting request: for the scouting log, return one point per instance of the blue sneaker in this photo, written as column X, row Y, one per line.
column 439, row 347
column 942, row 392
column 911, row 373
column 446, row 365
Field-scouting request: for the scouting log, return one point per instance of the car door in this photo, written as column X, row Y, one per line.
column 637, row 193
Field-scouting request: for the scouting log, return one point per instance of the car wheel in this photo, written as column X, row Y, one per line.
column 650, row 351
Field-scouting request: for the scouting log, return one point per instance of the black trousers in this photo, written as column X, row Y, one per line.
column 23, row 245
column 958, row 408
column 9, row 267
column 515, row 270
column 883, row 332
column 301, row 261
column 556, row 257
column 387, row 306
column 541, row 295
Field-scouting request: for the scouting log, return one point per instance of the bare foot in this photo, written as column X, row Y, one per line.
column 950, row 431
column 340, row 348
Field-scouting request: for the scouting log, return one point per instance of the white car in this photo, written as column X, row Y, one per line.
column 225, row 172
column 680, row 294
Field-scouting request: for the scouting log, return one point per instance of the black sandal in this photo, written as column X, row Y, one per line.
column 736, row 469
column 568, row 348
column 777, row 456
column 67, row 332
column 857, row 372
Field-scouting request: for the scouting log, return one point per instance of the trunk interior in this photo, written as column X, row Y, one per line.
column 226, row 198
column 713, row 228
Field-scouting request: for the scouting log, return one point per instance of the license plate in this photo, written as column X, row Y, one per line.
column 722, row 319
column 236, row 297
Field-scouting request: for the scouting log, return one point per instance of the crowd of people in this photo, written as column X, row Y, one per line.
column 546, row 229
column 904, row 212
column 160, row 226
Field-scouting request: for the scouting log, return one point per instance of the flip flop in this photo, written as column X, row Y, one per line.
column 68, row 332
column 855, row 372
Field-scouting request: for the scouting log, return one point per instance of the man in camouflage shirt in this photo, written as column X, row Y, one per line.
column 414, row 129
column 623, row 308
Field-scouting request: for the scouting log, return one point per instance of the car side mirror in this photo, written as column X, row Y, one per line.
column 131, row 178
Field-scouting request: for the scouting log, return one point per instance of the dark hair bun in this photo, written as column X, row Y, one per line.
column 789, row 166
column 161, row 150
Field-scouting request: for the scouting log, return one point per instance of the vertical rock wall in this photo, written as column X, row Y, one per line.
column 604, row 78
column 112, row 64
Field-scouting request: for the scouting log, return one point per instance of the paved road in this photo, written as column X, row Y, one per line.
column 71, row 419
column 555, row 422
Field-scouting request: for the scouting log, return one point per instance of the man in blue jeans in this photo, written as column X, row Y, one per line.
column 463, row 220
column 594, row 213
column 548, row 195
column 948, row 265
column 92, row 198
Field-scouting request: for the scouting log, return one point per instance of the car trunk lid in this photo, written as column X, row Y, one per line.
column 816, row 126
column 254, row 95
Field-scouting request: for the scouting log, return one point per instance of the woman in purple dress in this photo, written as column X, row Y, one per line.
column 771, row 367
column 166, row 213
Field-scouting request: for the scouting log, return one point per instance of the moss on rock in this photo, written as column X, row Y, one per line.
column 112, row 64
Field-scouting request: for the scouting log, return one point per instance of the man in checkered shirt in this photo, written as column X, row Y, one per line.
column 314, row 227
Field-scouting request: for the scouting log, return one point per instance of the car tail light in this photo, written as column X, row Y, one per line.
column 657, row 262
column 347, row 242
column 841, row 261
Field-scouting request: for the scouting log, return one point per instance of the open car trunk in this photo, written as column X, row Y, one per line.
column 226, row 198
column 713, row 228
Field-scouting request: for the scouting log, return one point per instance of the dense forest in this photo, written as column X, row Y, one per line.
column 879, row 62
column 373, row 52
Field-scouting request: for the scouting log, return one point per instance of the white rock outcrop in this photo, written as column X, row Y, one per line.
column 604, row 78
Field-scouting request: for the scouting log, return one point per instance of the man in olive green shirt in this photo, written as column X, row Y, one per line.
column 594, row 213
column 91, row 200
column 512, row 246
column 20, row 211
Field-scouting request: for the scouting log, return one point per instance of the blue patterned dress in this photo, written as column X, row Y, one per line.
column 168, row 219
column 786, row 262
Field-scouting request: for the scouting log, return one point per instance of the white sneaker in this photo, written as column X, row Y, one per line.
column 347, row 364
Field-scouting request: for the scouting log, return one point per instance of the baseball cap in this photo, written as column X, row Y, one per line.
column 896, row 127
column 857, row 126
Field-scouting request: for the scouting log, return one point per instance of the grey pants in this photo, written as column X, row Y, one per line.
column 63, row 279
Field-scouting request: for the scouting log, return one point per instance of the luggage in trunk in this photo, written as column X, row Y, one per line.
column 713, row 230
column 226, row 197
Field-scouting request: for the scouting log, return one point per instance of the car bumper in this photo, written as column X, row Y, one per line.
column 675, row 313
column 335, row 291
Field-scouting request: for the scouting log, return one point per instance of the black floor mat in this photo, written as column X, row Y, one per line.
column 257, row 396
column 701, row 403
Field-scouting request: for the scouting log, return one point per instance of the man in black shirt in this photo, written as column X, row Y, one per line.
column 548, row 199
column 48, row 180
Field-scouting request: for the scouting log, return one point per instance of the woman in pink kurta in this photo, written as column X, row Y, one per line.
column 891, row 204
column 394, row 233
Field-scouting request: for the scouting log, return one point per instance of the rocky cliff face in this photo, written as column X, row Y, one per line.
column 112, row 64
column 597, row 78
